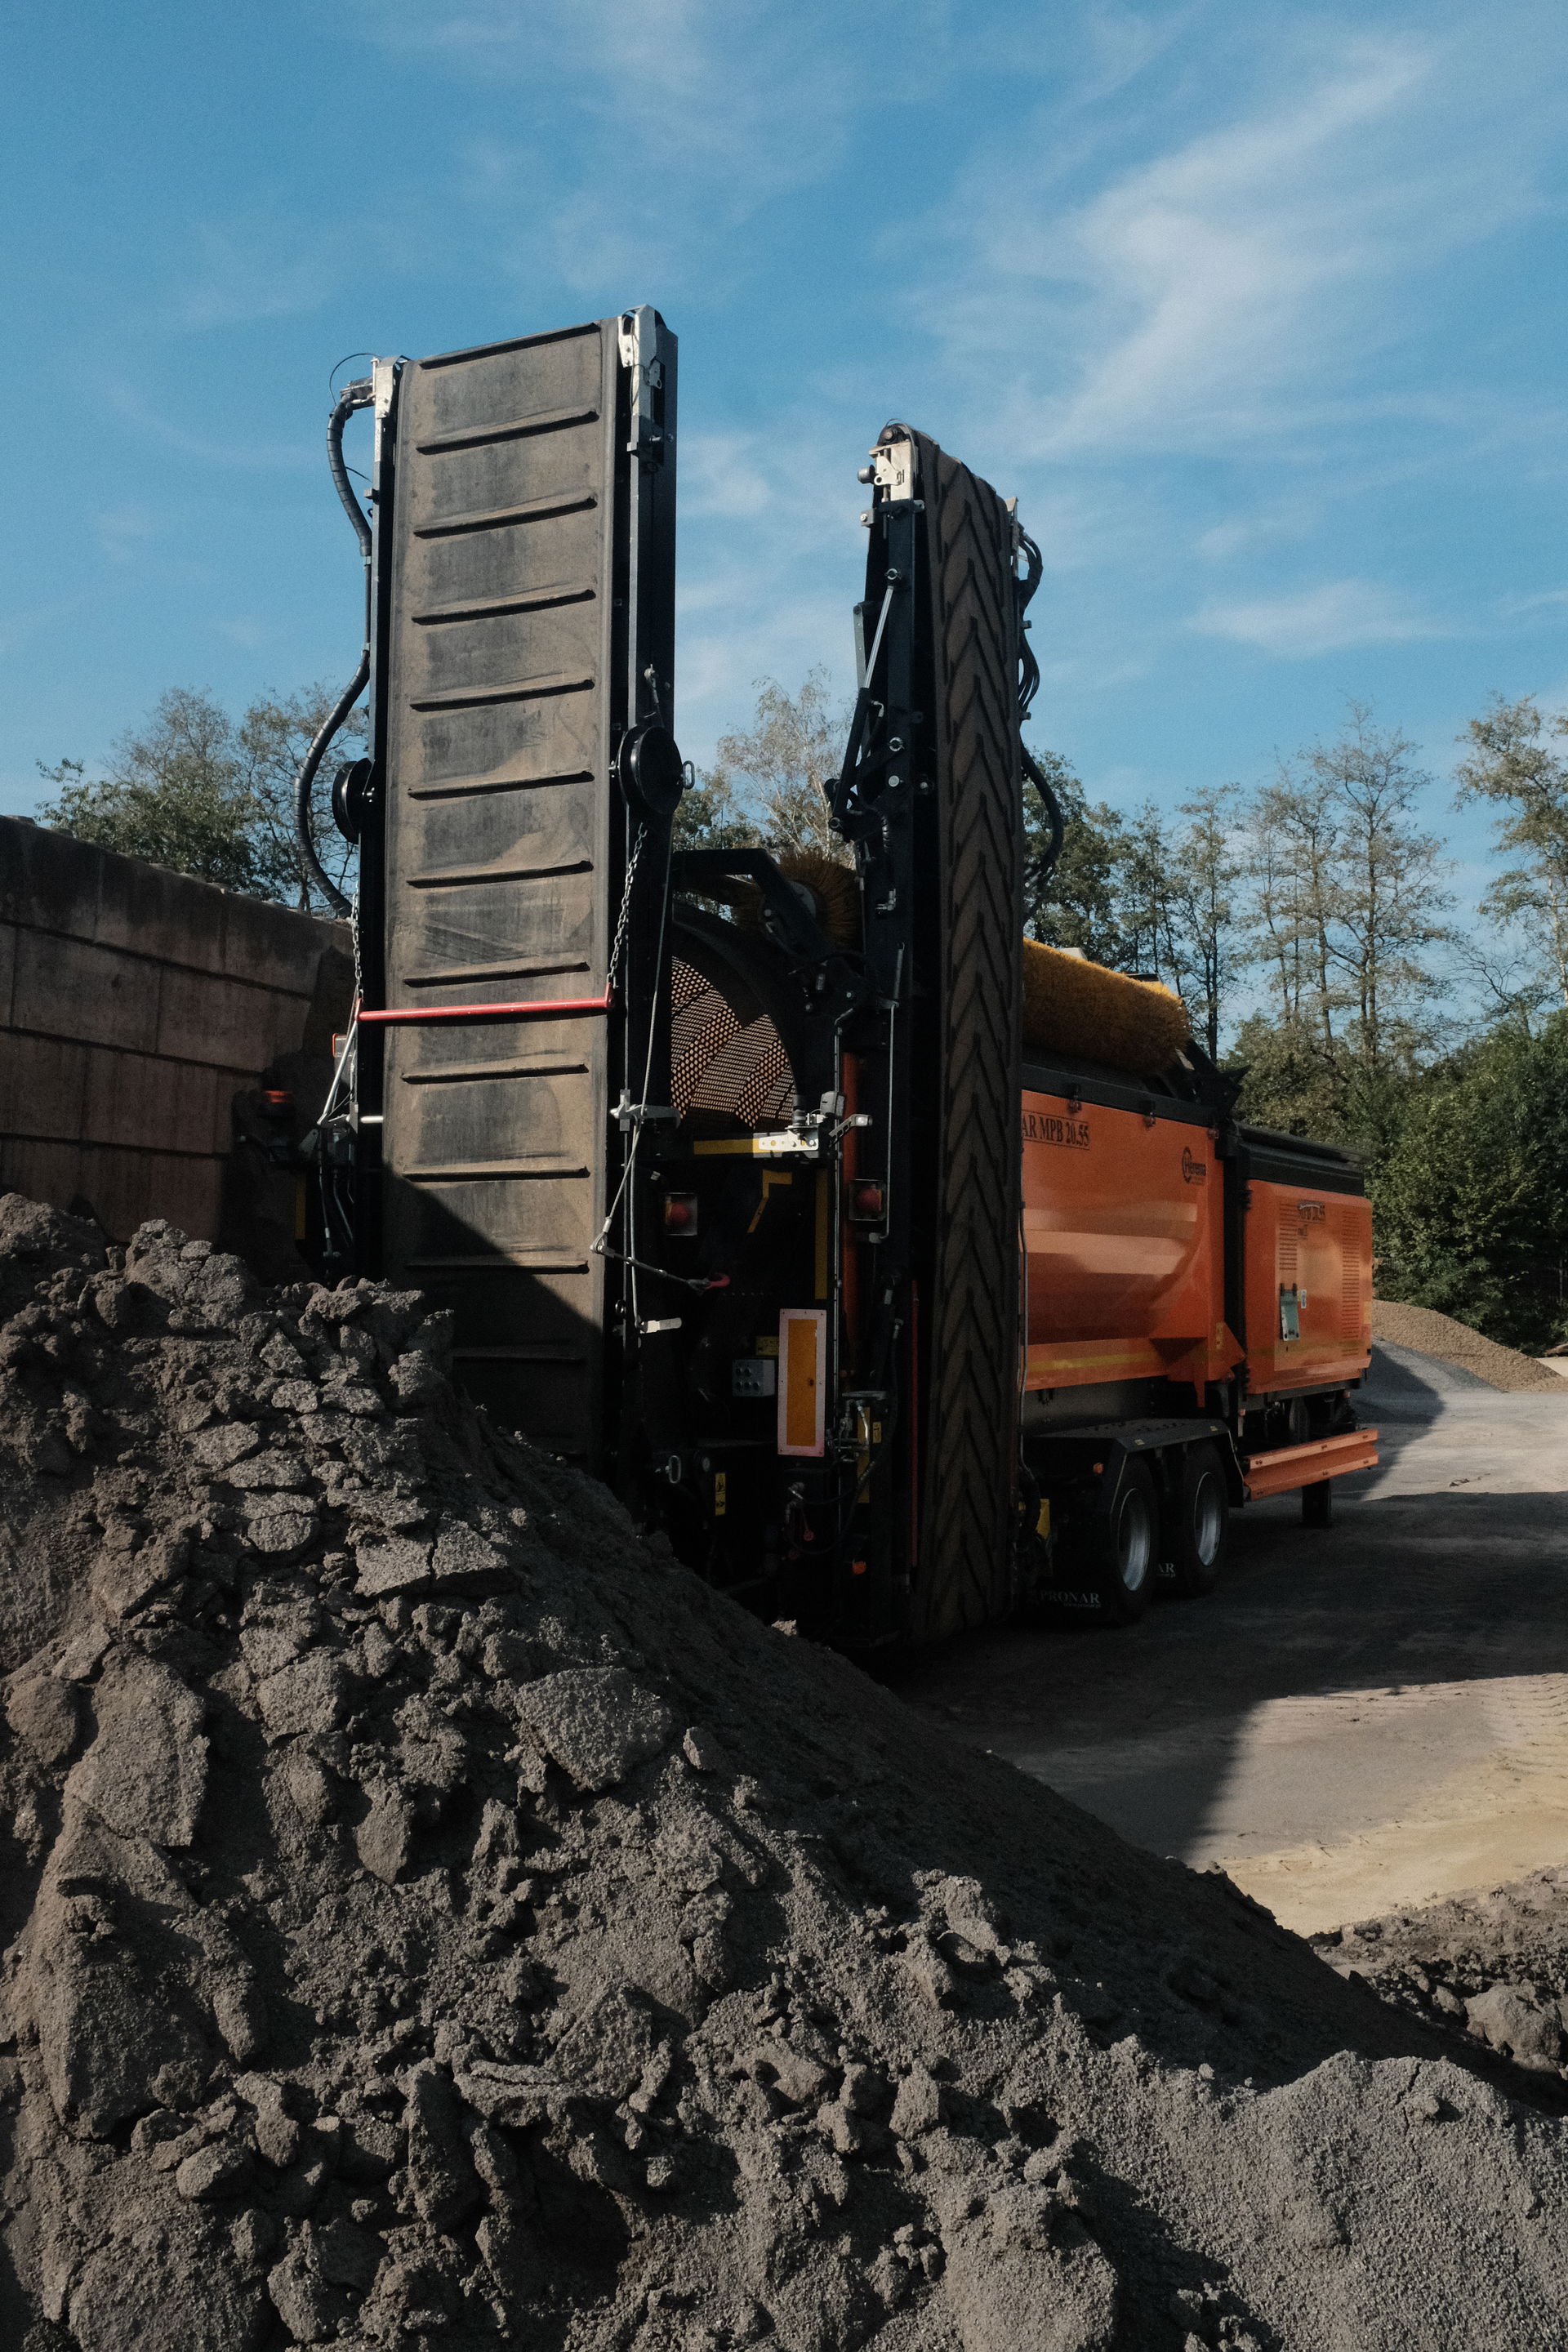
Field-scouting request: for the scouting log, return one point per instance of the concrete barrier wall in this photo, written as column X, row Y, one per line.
column 134, row 1004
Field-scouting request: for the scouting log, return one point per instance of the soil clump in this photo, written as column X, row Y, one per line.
column 433, row 1918
column 1491, row 1965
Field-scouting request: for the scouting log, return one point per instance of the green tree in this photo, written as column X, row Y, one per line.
column 1286, row 1081
column 1077, row 904
column 1149, row 900
column 1208, row 867
column 1512, row 763
column 711, row 815
column 1346, row 932
column 1387, row 898
column 174, row 795
column 780, row 764
column 193, row 789
column 1470, row 1200
column 1292, row 841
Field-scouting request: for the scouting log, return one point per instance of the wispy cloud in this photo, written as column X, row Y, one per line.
column 241, row 272
column 230, row 451
column 125, row 532
column 1231, row 285
column 1342, row 614
column 691, row 115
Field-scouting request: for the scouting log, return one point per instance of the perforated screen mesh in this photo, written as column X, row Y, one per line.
column 721, row 1064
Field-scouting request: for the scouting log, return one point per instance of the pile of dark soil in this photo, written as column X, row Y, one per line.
column 1493, row 1967
column 434, row 1921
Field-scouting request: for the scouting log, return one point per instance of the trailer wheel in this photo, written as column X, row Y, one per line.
column 1201, row 1529
column 1124, row 1544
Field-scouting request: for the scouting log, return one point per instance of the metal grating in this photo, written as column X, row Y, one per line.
column 720, row 1064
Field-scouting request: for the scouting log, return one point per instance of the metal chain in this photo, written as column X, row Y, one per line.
column 621, row 920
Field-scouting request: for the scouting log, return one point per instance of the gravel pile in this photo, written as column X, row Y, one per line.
column 1432, row 1334
column 1493, row 1967
column 433, row 1920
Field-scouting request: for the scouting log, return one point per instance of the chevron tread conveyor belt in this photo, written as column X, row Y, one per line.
column 972, row 1322
column 530, row 587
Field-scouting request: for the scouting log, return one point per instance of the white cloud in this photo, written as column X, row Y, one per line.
column 1326, row 620
column 1234, row 286
column 691, row 115
column 722, row 474
column 126, row 531
column 245, row 271
column 232, row 450
column 249, row 635
column 1239, row 534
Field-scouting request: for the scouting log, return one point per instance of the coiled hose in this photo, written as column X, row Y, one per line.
column 358, row 394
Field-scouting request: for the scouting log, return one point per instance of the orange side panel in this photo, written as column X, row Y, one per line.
column 802, row 1389
column 852, row 1244
column 1308, row 1288
column 1122, row 1232
column 1308, row 1466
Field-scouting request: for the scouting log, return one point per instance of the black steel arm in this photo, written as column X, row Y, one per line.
column 797, row 927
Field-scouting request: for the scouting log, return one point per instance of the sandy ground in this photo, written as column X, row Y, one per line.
column 1358, row 1720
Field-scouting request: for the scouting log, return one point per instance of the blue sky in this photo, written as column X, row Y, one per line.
column 1259, row 310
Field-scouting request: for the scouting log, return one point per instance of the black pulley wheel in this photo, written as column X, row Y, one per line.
column 652, row 773
column 351, row 798
column 1199, row 1528
column 1123, row 1548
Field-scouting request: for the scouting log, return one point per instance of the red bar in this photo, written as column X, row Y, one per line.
column 558, row 1004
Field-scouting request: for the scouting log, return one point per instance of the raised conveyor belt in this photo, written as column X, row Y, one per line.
column 531, row 621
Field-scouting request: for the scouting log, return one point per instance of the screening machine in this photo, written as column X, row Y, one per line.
column 902, row 1271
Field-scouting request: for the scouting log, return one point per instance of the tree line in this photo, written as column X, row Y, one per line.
column 1306, row 923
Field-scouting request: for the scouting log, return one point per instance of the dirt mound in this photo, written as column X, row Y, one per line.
column 1491, row 1966
column 1454, row 1343
column 435, row 1920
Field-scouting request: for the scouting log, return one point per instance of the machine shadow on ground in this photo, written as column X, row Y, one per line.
column 1337, row 1677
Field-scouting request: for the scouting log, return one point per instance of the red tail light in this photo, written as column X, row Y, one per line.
column 867, row 1204
column 680, row 1214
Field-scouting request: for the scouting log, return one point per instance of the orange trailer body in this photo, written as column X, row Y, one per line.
column 1149, row 1255
column 1308, row 1288
column 1123, row 1242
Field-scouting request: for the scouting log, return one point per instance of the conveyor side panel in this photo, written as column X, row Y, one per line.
column 531, row 587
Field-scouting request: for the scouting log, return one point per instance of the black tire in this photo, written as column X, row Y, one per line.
column 1317, row 1504
column 1198, row 1526
column 1124, row 1548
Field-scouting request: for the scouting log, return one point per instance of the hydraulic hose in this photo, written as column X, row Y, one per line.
column 1028, row 687
column 353, row 395
column 1044, row 864
column 358, row 394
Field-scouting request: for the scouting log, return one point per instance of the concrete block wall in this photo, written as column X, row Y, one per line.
column 134, row 1004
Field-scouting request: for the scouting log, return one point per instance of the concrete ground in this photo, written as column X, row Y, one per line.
column 1362, row 1717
